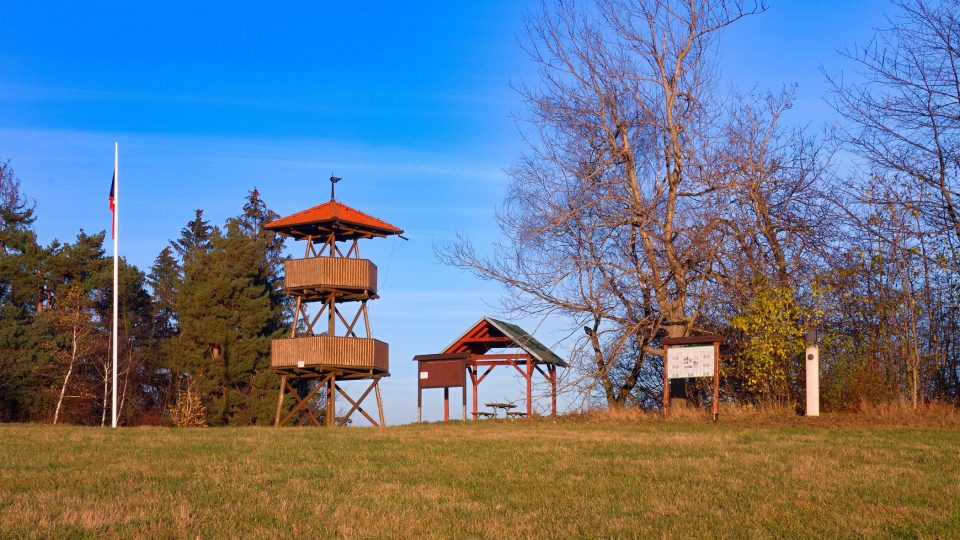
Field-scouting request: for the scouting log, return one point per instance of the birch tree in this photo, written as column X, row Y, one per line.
column 78, row 333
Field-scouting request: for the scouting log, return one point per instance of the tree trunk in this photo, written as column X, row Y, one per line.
column 66, row 379
column 106, row 388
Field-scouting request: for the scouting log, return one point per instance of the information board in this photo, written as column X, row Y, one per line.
column 685, row 362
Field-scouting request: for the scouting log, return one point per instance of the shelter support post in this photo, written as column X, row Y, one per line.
column 473, row 379
column 464, row 394
column 552, row 370
column 529, row 386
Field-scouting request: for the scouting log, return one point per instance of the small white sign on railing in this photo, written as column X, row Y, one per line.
column 683, row 362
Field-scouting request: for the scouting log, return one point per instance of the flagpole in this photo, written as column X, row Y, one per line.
column 116, row 271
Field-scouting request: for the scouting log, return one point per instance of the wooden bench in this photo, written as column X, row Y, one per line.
column 483, row 414
column 516, row 414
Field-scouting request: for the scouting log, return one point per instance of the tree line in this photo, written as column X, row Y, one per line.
column 651, row 202
column 194, row 332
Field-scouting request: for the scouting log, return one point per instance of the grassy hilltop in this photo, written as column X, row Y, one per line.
column 494, row 479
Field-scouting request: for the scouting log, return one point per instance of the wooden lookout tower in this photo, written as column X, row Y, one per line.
column 331, row 286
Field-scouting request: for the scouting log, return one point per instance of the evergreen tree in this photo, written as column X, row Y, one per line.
column 194, row 238
column 20, row 255
column 164, row 278
column 251, row 223
column 226, row 320
column 81, row 264
column 255, row 215
column 22, row 359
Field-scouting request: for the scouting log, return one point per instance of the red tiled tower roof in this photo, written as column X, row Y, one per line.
column 332, row 217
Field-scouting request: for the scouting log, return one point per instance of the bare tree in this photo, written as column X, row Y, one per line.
column 904, row 110
column 607, row 220
column 773, row 214
column 903, row 113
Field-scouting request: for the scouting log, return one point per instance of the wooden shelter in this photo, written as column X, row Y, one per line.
column 327, row 343
column 480, row 349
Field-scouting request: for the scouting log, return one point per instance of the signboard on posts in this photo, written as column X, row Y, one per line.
column 696, row 361
column 692, row 356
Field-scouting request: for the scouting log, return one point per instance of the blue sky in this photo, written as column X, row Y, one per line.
column 411, row 103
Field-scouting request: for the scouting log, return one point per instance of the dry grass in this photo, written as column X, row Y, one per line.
column 887, row 415
column 618, row 475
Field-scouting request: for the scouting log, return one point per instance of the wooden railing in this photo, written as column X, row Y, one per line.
column 329, row 351
column 338, row 272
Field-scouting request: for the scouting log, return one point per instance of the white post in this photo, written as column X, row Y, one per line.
column 116, row 271
column 813, row 380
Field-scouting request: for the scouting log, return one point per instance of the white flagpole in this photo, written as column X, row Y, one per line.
column 116, row 271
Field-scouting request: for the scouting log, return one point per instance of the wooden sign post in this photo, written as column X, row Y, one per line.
column 688, row 357
column 442, row 371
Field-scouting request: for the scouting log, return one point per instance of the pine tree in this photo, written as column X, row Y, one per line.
column 195, row 238
column 23, row 362
column 164, row 278
column 226, row 320
column 251, row 223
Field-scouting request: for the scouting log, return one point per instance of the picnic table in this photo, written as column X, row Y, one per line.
column 497, row 406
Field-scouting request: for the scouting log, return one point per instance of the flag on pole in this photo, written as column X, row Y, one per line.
column 113, row 221
column 116, row 276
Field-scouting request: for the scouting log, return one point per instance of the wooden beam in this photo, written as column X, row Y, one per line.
column 537, row 367
column 383, row 422
column 485, row 373
column 283, row 387
column 331, row 400
column 460, row 346
column 529, row 376
column 366, row 317
column 301, row 403
column 353, row 323
column 666, row 383
column 473, row 379
column 345, row 323
column 505, row 356
column 552, row 369
column 356, row 404
column 309, row 247
column 332, row 321
column 716, row 380
column 487, row 340
column 296, row 318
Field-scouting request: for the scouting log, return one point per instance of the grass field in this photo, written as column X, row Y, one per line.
column 493, row 479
